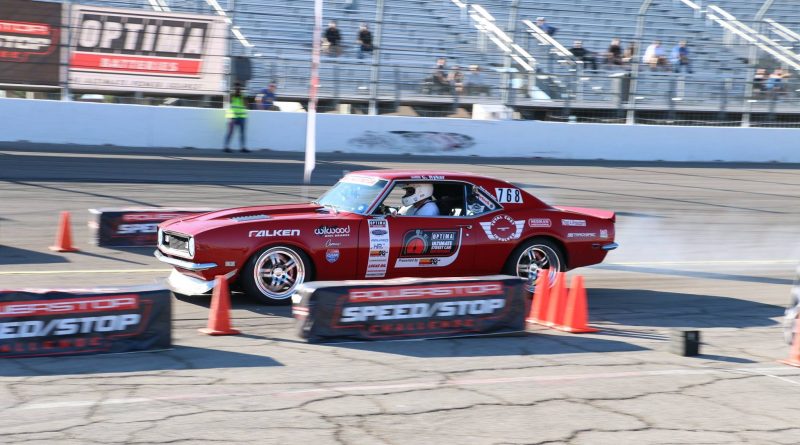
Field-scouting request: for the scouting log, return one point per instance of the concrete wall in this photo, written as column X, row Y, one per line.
column 143, row 126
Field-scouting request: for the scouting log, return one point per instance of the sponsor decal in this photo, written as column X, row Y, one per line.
column 146, row 50
column 508, row 195
column 332, row 231
column 582, row 235
column 29, row 42
column 332, row 243
column 503, row 228
column 273, row 232
column 58, row 323
column 429, row 248
column 573, row 222
column 378, row 259
column 539, row 222
column 603, row 233
column 332, row 255
column 485, row 201
column 230, row 263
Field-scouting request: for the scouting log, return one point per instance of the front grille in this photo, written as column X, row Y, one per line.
column 176, row 242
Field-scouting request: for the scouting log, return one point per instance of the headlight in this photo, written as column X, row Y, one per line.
column 191, row 247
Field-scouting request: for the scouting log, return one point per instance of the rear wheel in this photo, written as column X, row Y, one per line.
column 535, row 256
column 273, row 274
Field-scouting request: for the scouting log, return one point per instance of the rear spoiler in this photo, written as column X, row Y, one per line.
column 597, row 213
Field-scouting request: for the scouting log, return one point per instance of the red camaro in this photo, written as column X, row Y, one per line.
column 384, row 224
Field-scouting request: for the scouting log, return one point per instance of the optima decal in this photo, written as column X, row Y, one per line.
column 429, row 248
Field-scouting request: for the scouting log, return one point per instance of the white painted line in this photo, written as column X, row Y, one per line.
column 701, row 262
column 84, row 271
column 767, row 372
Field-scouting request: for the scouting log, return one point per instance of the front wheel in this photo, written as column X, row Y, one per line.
column 273, row 274
column 535, row 256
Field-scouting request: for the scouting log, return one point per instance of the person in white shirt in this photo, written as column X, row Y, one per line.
column 655, row 56
column 418, row 201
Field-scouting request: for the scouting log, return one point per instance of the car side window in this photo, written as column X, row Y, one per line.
column 480, row 202
column 449, row 197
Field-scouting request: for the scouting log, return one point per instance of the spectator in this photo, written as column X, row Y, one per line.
column 760, row 82
column 364, row 40
column 476, row 82
column 583, row 54
column 775, row 83
column 236, row 115
column 654, row 56
column 614, row 52
column 680, row 57
column 630, row 53
column 438, row 82
column 456, row 79
column 546, row 27
column 266, row 100
column 334, row 39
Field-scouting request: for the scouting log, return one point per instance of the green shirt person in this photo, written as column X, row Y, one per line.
column 237, row 117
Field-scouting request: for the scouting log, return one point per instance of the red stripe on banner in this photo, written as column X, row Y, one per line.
column 424, row 292
column 32, row 29
column 134, row 64
column 77, row 305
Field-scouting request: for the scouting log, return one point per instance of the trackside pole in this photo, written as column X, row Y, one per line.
column 311, row 118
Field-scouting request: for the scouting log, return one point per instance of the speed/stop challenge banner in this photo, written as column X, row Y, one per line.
column 30, row 38
column 149, row 51
column 132, row 227
column 410, row 308
column 41, row 323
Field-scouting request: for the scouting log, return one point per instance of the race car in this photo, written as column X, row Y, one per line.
column 384, row 224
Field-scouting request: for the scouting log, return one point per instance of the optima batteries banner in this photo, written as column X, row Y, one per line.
column 132, row 227
column 410, row 308
column 38, row 323
column 137, row 50
column 29, row 42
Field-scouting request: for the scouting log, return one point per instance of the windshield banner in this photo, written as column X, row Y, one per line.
column 410, row 308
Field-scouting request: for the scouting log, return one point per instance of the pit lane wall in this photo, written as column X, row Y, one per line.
column 43, row 121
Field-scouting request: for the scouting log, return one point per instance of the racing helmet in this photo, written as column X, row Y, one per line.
column 416, row 193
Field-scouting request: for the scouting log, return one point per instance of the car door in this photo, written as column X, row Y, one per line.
column 418, row 246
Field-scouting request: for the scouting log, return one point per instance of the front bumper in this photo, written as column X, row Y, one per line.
column 186, row 285
column 182, row 263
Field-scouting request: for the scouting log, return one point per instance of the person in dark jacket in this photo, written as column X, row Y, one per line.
column 364, row 41
column 334, row 39
column 583, row 54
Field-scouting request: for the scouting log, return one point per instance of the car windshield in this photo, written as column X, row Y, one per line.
column 353, row 193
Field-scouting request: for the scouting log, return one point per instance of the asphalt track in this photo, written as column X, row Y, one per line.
column 704, row 246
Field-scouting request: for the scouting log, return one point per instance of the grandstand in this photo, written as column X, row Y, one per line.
column 411, row 34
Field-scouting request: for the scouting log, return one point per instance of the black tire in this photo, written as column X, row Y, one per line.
column 519, row 259
column 276, row 292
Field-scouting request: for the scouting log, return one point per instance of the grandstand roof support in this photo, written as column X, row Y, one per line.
column 376, row 58
column 506, row 92
column 636, row 60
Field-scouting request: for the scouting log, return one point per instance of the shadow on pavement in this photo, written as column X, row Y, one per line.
column 181, row 357
column 14, row 255
column 629, row 307
column 529, row 343
column 694, row 274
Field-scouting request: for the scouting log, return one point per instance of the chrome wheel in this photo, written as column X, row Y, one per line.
column 537, row 258
column 278, row 271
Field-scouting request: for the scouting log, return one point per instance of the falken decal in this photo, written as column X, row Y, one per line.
column 503, row 228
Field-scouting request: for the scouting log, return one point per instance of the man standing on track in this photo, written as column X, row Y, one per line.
column 237, row 117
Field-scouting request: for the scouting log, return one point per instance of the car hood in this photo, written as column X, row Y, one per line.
column 194, row 224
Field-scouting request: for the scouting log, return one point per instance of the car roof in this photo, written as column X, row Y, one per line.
column 421, row 175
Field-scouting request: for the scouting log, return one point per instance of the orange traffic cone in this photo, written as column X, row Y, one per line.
column 64, row 235
column 576, row 318
column 558, row 301
column 794, row 354
column 541, row 298
column 219, row 319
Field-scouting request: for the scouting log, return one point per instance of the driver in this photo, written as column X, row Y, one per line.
column 418, row 201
